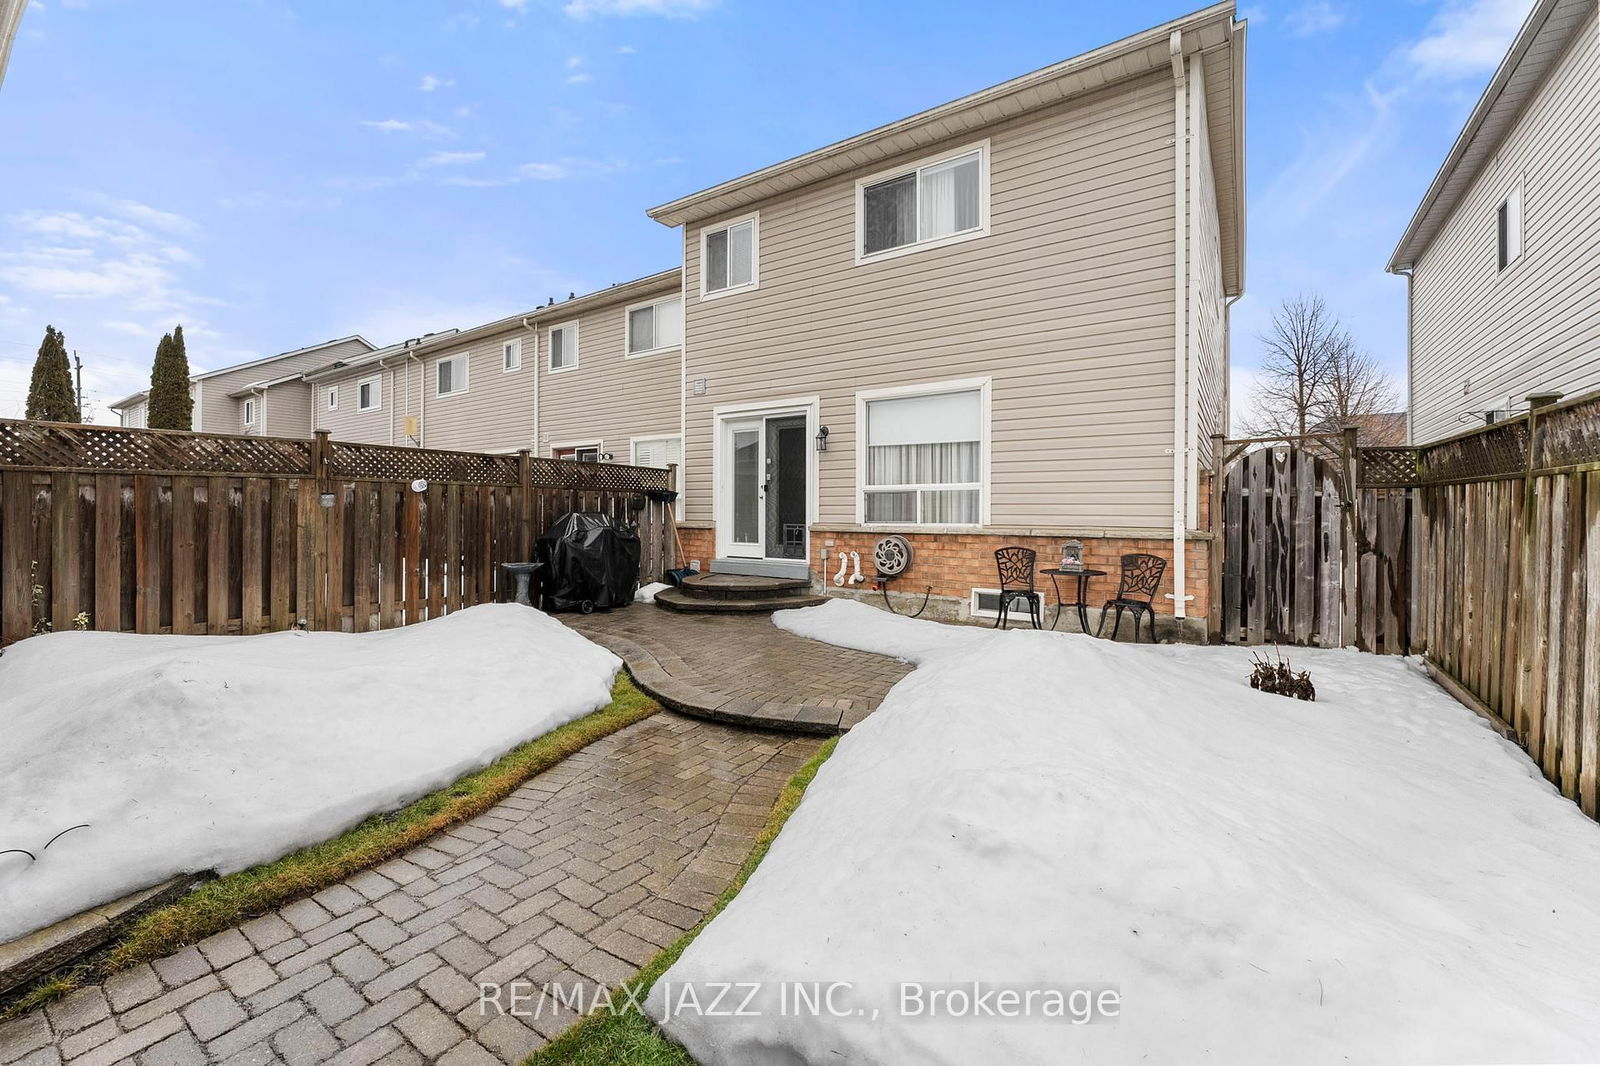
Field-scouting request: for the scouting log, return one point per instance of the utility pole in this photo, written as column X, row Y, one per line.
column 77, row 369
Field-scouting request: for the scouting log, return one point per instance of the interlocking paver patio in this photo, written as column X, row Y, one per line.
column 575, row 877
column 743, row 669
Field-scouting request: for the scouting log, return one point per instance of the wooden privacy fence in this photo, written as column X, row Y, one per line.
column 1302, row 558
column 150, row 531
column 1508, row 581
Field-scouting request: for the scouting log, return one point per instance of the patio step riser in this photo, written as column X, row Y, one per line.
column 675, row 600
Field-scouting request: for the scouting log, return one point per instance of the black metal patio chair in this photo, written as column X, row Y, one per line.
column 1136, row 593
column 1017, row 571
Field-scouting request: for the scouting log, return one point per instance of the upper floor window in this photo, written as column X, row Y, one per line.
column 728, row 257
column 452, row 375
column 511, row 355
column 928, row 204
column 333, row 397
column 247, row 412
column 923, row 455
column 654, row 327
column 564, row 346
column 369, row 394
column 1508, row 227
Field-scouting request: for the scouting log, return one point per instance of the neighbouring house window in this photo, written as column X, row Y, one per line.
column 1508, row 227
column 926, row 204
column 655, row 326
column 333, row 397
column 924, row 459
column 658, row 451
column 369, row 394
column 511, row 355
column 247, row 412
column 728, row 258
column 452, row 375
column 583, row 453
column 564, row 346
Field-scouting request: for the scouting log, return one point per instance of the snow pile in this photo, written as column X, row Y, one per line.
column 217, row 753
column 647, row 593
column 1375, row 877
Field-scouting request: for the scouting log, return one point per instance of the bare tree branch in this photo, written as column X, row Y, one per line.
column 1313, row 375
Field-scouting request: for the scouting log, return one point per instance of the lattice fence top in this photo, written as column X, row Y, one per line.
column 604, row 477
column 1388, row 467
column 382, row 462
column 1569, row 436
column 62, row 446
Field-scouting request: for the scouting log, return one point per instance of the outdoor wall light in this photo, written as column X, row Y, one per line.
column 606, row 457
column 420, row 485
column 822, row 439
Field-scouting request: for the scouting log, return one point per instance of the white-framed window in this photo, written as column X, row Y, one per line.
column 333, row 397
column 587, row 452
column 369, row 393
column 985, row 603
column 511, row 356
column 657, row 451
column 654, row 327
column 563, row 343
column 450, row 375
column 923, row 205
column 922, row 454
column 248, row 410
column 1508, row 228
column 730, row 257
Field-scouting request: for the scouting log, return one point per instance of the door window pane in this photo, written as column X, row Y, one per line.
column 747, row 486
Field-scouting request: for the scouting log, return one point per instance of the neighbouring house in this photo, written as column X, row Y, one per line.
column 999, row 321
column 1502, row 258
column 266, row 397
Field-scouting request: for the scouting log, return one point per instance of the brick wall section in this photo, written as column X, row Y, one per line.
column 698, row 544
column 956, row 563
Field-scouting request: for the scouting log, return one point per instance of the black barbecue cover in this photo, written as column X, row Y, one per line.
column 589, row 558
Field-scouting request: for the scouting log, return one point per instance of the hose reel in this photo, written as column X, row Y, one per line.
column 892, row 556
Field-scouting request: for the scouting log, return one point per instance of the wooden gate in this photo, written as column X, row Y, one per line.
column 1283, row 533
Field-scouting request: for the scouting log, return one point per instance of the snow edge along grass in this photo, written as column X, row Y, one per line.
column 628, row 1037
column 226, row 901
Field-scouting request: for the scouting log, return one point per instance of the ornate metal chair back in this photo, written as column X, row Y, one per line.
column 1141, row 576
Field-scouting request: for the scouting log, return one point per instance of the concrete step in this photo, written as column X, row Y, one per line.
column 761, row 567
column 676, row 600
column 738, row 586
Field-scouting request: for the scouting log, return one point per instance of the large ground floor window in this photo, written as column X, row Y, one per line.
column 923, row 459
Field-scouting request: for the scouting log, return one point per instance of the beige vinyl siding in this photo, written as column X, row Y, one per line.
column 288, row 410
column 495, row 413
column 1207, row 330
column 608, row 398
column 1067, row 304
column 1480, row 335
column 134, row 416
column 361, row 427
column 217, row 412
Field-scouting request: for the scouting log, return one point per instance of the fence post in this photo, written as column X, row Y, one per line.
column 1218, row 543
column 525, row 505
column 669, row 528
column 323, row 583
column 1350, row 591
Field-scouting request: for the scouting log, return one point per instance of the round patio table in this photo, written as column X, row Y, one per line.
column 1083, row 574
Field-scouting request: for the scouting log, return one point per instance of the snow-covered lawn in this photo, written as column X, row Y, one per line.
column 216, row 753
column 1375, row 877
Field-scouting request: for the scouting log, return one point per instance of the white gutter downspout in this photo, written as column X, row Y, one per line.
column 1180, row 370
column 682, row 506
column 422, row 396
column 535, row 368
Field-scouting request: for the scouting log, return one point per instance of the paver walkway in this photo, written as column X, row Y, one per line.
column 743, row 669
column 578, row 878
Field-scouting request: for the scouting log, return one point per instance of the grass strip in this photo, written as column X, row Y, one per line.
column 629, row 1038
column 227, row 901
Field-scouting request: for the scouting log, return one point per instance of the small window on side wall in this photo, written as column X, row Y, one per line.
column 728, row 258
column 563, row 342
column 369, row 394
column 511, row 355
column 248, row 412
column 1508, row 228
column 655, row 326
column 333, row 397
column 452, row 375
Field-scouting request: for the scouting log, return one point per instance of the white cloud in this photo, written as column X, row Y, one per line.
column 387, row 125
column 450, row 159
column 626, row 49
column 579, row 79
column 1313, row 18
column 395, row 125
column 1255, row 13
column 581, row 9
column 1468, row 38
column 574, row 62
column 430, row 82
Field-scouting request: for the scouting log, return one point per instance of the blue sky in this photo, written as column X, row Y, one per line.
column 272, row 173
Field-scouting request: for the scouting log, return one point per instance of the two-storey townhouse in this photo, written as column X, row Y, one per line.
column 267, row 396
column 595, row 377
column 1000, row 321
column 1502, row 257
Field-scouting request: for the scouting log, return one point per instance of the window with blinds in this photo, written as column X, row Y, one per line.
column 923, row 462
column 655, row 327
column 563, row 341
column 928, row 204
column 728, row 258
